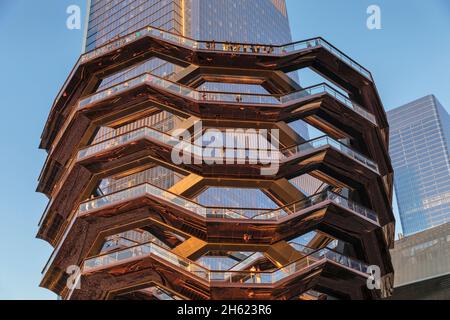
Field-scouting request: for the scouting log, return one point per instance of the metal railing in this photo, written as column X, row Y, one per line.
column 218, row 47
column 225, row 97
column 165, row 125
column 213, row 213
column 162, row 179
column 241, row 277
column 251, row 154
column 223, row 212
column 125, row 138
column 327, row 141
column 243, row 48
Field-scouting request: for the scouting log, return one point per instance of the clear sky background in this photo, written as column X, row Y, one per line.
column 409, row 58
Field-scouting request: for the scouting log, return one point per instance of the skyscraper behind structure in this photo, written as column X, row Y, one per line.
column 247, row 21
column 262, row 21
column 420, row 144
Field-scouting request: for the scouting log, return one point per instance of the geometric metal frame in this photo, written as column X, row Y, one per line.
column 68, row 179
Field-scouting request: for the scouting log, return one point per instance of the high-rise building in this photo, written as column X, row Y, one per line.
column 141, row 218
column 262, row 21
column 419, row 148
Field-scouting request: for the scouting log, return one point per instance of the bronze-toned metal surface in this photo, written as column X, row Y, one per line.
column 138, row 239
column 125, row 55
column 326, row 162
column 327, row 212
column 320, row 105
column 309, row 272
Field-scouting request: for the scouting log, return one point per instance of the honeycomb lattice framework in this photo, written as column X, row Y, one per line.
column 79, row 219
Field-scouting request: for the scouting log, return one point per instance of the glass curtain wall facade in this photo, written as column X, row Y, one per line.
column 249, row 21
column 111, row 19
column 262, row 21
column 420, row 136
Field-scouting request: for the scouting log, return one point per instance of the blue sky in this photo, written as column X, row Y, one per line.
column 409, row 58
